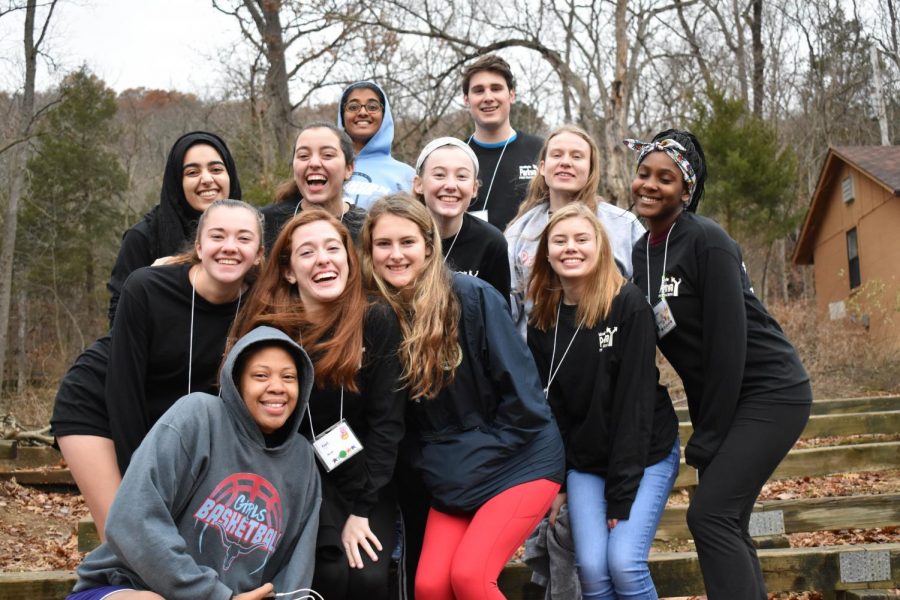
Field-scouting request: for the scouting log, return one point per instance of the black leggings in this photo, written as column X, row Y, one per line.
column 333, row 578
column 761, row 435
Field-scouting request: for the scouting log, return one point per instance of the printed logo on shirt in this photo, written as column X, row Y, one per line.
column 526, row 259
column 606, row 337
column 246, row 511
column 669, row 287
column 469, row 272
column 749, row 284
column 527, row 171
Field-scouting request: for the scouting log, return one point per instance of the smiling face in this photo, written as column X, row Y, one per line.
column 204, row 177
column 320, row 168
column 489, row 100
column 447, row 182
column 269, row 386
column 362, row 124
column 658, row 189
column 229, row 244
column 567, row 164
column 319, row 266
column 572, row 249
column 398, row 250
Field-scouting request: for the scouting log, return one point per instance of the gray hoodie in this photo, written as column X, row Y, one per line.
column 206, row 510
column 522, row 235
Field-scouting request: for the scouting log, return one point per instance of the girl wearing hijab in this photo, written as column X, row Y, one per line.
column 592, row 337
column 446, row 182
column 569, row 171
column 311, row 288
column 487, row 447
column 323, row 160
column 748, row 394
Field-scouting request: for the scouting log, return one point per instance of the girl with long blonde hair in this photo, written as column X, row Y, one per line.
column 568, row 171
column 592, row 336
column 311, row 289
column 486, row 446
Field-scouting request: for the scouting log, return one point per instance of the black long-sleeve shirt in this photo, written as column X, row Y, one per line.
column 375, row 414
column 614, row 416
column 724, row 346
column 479, row 250
column 149, row 353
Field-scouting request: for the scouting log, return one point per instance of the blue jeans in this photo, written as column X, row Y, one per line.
column 612, row 563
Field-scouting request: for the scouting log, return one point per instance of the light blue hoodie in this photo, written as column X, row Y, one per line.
column 376, row 173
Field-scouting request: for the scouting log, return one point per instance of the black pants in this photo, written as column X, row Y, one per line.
column 333, row 578
column 761, row 435
column 414, row 502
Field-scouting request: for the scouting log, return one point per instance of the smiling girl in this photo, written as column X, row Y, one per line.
column 311, row 288
column 487, row 447
column 170, row 329
column 592, row 337
column 446, row 182
column 199, row 170
column 323, row 160
column 748, row 394
column 569, row 171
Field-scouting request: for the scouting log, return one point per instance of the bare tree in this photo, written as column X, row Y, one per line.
column 34, row 36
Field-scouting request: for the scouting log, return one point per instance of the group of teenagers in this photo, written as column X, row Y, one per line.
column 446, row 354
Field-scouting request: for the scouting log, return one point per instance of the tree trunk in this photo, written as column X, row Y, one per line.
column 616, row 183
column 21, row 354
column 18, row 160
column 759, row 59
column 280, row 109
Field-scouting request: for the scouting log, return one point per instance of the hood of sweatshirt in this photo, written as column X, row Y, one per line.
column 263, row 336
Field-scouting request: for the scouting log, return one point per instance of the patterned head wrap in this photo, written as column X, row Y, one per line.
column 673, row 150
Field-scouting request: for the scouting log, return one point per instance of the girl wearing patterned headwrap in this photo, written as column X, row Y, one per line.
column 748, row 394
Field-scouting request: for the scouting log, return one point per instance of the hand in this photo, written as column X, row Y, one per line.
column 554, row 508
column 611, row 523
column 266, row 590
column 357, row 534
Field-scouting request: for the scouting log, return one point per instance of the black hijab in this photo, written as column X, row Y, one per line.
column 173, row 221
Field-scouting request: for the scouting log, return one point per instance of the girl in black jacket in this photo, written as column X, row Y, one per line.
column 748, row 394
column 199, row 169
column 592, row 337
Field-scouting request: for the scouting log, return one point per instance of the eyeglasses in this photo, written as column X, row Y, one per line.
column 372, row 106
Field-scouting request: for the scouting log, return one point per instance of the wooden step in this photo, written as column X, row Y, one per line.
column 834, row 407
column 804, row 515
column 835, row 425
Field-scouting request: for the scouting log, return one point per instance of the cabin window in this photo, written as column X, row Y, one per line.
column 853, row 258
column 847, row 189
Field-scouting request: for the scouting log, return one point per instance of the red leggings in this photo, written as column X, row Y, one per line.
column 462, row 556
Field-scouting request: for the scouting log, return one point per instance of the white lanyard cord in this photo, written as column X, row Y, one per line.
column 312, row 431
column 496, row 168
column 453, row 243
column 191, row 339
column 662, row 276
column 553, row 371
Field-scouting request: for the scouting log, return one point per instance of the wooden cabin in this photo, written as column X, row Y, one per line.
column 852, row 237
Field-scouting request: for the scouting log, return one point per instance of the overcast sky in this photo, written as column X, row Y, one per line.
column 167, row 44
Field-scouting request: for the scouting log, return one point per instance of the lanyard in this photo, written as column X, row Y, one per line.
column 553, row 371
column 311, row 430
column 453, row 243
column 496, row 167
column 662, row 276
column 191, row 339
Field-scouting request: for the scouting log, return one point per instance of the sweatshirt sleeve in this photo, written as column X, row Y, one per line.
column 127, row 371
column 516, row 285
column 297, row 572
column 140, row 528
column 522, row 410
column 385, row 405
column 633, row 406
column 134, row 253
column 724, row 352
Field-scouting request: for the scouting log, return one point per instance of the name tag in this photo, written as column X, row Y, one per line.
column 335, row 445
column 665, row 321
column 481, row 214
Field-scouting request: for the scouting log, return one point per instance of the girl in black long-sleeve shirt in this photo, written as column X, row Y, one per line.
column 591, row 334
column 311, row 288
column 748, row 393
